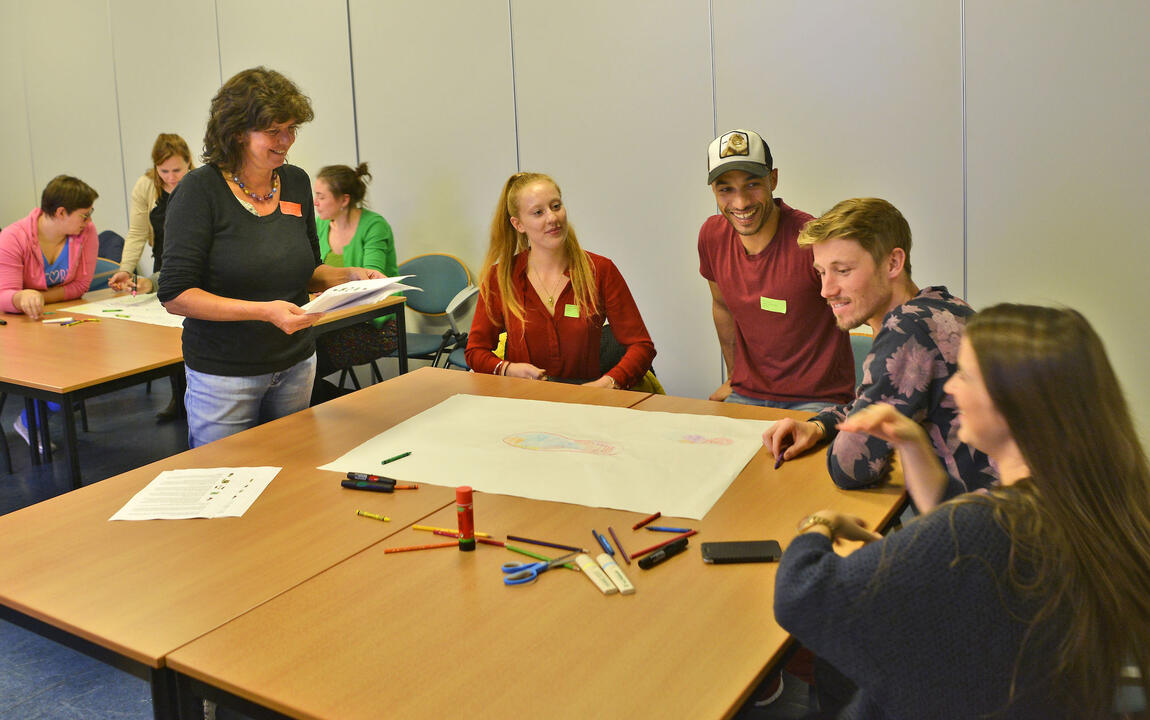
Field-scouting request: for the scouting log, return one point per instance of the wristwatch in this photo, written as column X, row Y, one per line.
column 806, row 523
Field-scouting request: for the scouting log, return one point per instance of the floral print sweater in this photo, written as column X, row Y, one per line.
column 913, row 355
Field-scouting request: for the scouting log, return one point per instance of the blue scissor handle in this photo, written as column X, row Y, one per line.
column 521, row 573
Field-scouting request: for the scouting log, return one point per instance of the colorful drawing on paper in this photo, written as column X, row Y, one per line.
column 554, row 442
column 692, row 439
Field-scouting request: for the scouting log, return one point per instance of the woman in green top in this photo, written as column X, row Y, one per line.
column 349, row 234
column 353, row 236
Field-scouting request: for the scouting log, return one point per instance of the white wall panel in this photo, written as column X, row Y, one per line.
column 614, row 103
column 71, row 95
column 1058, row 114
column 855, row 99
column 436, row 118
column 167, row 70
column 18, row 191
column 307, row 41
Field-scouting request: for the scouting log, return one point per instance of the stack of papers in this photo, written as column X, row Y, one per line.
column 357, row 292
column 198, row 493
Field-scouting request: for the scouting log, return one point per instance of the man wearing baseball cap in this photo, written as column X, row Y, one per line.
column 778, row 336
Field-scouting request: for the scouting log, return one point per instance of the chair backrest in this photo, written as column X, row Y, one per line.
column 105, row 269
column 440, row 277
column 111, row 246
column 860, row 346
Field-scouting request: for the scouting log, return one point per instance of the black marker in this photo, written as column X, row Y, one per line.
column 364, row 485
column 370, row 478
column 663, row 553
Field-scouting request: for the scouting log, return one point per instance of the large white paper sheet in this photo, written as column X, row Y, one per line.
column 357, row 292
column 145, row 308
column 198, row 493
column 674, row 463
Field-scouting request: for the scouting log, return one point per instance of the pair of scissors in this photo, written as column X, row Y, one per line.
column 522, row 573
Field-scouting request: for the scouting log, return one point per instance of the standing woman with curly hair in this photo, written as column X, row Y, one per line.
column 1029, row 601
column 240, row 255
column 551, row 296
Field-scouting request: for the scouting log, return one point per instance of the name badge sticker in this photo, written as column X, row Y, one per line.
column 772, row 305
column 290, row 208
column 571, row 311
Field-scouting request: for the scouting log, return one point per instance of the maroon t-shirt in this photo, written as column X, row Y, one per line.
column 787, row 346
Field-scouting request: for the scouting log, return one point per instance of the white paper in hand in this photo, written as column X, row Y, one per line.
column 357, row 292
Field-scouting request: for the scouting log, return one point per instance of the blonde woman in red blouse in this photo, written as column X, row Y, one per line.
column 551, row 297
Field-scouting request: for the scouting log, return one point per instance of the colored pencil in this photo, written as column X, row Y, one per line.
column 660, row 528
column 643, row 522
column 429, row 528
column 420, row 547
column 619, row 544
column 535, row 555
column 569, row 548
column 489, row 541
column 663, row 544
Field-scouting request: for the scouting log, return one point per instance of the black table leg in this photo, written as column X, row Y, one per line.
column 70, row 448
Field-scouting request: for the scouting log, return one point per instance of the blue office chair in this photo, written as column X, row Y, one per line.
column 111, row 245
column 105, row 269
column 445, row 287
column 457, row 358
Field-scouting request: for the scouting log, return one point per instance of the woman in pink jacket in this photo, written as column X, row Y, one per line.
column 49, row 256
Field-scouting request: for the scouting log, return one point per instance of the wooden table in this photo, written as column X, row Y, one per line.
column 436, row 634
column 68, row 364
column 130, row 593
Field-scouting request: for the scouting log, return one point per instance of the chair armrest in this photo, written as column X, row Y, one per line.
column 460, row 297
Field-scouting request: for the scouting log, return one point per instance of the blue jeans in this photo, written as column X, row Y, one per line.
column 804, row 405
column 222, row 405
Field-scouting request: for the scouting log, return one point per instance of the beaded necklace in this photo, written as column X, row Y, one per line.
column 256, row 196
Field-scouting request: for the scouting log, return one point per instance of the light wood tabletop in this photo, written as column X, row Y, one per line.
column 58, row 359
column 59, row 363
column 436, row 633
column 142, row 589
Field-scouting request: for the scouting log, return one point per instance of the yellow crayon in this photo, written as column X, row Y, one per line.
column 373, row 516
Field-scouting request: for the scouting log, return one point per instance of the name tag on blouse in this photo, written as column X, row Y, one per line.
column 290, row 208
column 571, row 311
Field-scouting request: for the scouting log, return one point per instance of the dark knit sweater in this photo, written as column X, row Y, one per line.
column 925, row 622
column 215, row 244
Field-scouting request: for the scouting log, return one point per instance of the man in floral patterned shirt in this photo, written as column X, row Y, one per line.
column 862, row 253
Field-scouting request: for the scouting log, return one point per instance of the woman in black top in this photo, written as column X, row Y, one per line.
column 1026, row 601
column 240, row 255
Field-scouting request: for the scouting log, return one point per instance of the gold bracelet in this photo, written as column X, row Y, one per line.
column 819, row 425
column 810, row 520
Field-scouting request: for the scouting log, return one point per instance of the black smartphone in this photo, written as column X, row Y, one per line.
column 741, row 551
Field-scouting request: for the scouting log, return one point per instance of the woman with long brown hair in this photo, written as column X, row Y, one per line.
column 171, row 160
column 1027, row 601
column 551, row 296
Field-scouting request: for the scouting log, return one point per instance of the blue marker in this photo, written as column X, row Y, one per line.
column 604, row 543
column 659, row 528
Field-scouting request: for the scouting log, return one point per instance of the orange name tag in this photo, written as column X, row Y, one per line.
column 290, row 208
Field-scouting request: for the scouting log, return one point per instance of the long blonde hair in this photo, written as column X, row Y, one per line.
column 167, row 145
column 1080, row 525
column 507, row 242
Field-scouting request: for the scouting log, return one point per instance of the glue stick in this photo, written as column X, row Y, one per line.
column 464, row 513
